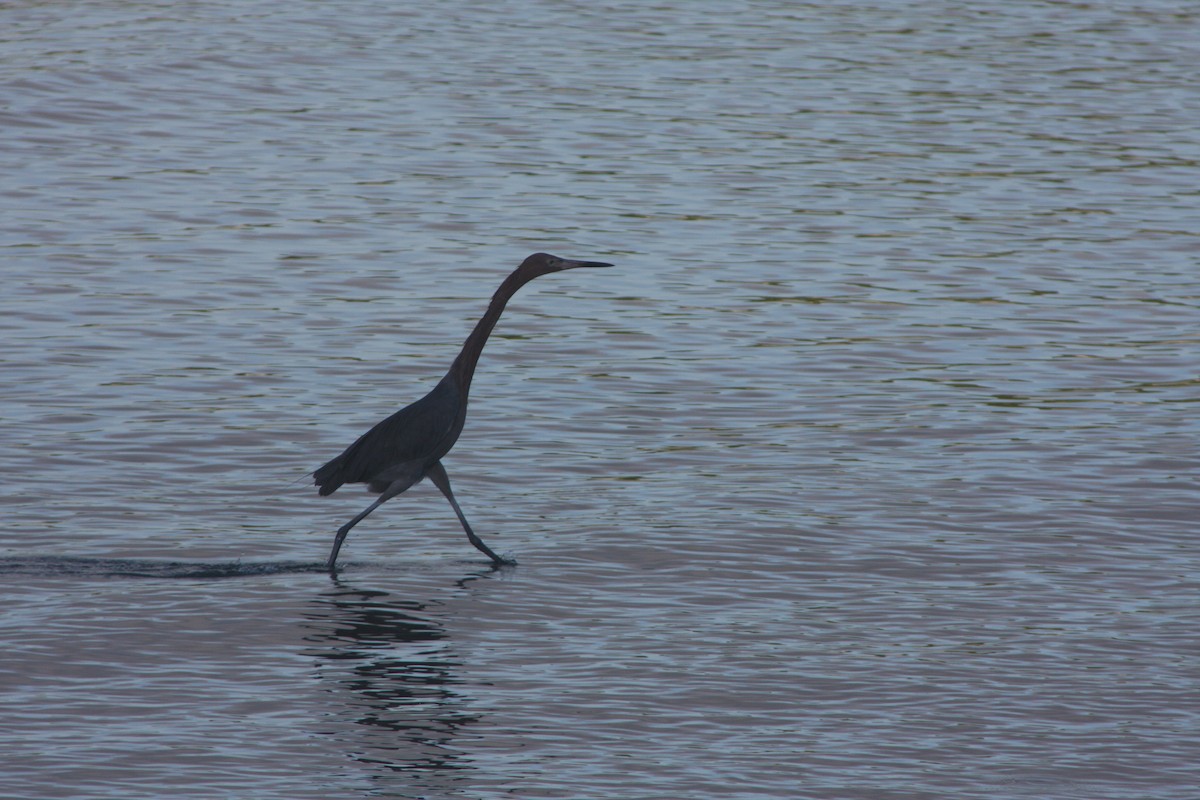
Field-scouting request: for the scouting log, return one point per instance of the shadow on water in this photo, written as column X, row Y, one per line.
column 391, row 667
column 79, row 567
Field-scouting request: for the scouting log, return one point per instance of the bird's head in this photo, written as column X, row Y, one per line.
column 544, row 263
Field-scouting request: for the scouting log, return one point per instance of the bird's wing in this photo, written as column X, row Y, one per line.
column 416, row 432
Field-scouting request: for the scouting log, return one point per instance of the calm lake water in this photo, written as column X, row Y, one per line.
column 869, row 472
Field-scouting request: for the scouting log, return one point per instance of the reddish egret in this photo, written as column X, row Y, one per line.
column 409, row 445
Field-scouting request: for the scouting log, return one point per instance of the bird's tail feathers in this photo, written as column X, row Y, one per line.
column 329, row 477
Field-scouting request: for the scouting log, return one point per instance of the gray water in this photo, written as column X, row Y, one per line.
column 869, row 471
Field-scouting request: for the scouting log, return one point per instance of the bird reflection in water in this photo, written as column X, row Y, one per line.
column 391, row 667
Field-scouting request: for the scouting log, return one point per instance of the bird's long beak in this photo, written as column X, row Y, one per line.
column 568, row 264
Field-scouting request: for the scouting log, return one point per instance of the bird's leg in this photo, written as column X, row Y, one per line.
column 342, row 531
column 437, row 474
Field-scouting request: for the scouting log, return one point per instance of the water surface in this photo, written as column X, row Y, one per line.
column 868, row 473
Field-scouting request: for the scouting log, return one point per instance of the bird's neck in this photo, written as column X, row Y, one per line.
column 463, row 368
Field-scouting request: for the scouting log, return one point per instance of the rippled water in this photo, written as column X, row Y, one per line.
column 870, row 472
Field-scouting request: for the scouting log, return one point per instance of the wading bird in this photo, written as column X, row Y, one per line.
column 408, row 446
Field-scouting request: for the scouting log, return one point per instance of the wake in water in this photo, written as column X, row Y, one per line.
column 78, row 567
